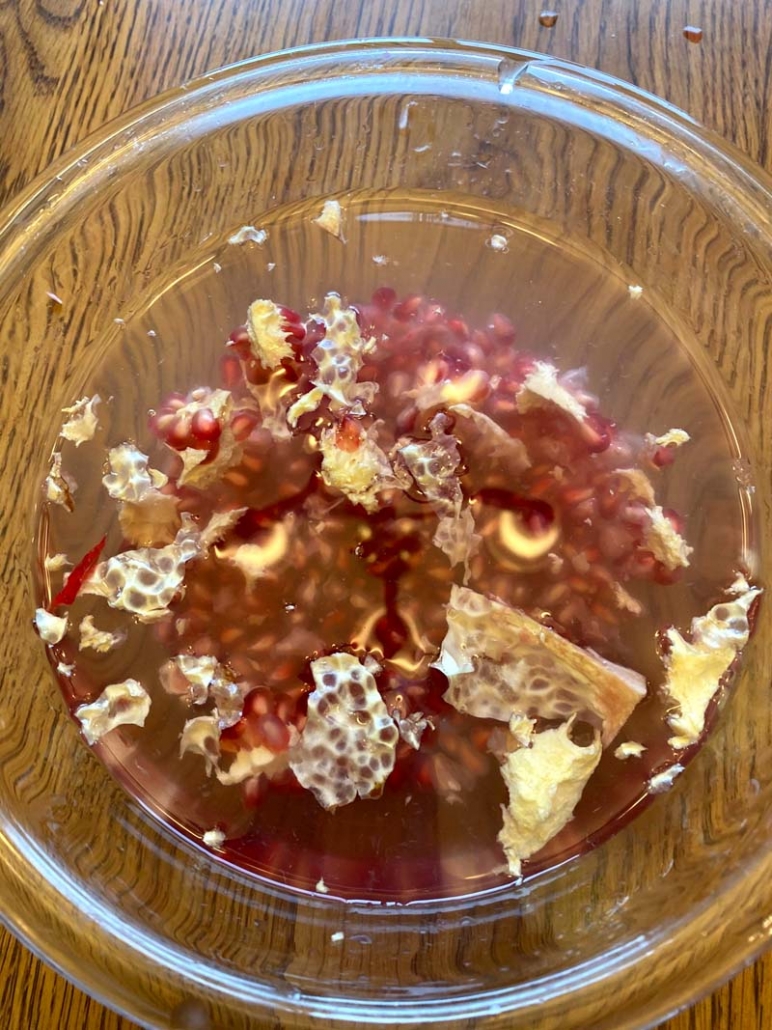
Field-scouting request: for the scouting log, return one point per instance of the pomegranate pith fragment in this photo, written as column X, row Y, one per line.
column 347, row 747
column 696, row 667
column 545, row 781
column 119, row 704
column 499, row 661
column 82, row 423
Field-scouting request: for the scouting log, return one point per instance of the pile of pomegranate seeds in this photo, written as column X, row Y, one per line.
column 388, row 549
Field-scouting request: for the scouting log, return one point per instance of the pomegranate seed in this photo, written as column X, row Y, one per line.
column 230, row 371
column 384, row 298
column 608, row 503
column 292, row 326
column 595, row 431
column 255, row 373
column 242, row 424
column 501, row 329
column 315, row 332
column 240, row 342
column 257, row 702
column 663, row 456
column 254, row 790
column 178, row 435
column 409, row 308
column 665, row 576
column 275, row 734
column 459, row 328
column 675, row 520
column 348, row 435
column 204, row 427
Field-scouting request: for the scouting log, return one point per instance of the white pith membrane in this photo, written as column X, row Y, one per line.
column 500, row 662
column 348, row 744
column 59, row 488
column 101, row 640
column 360, row 472
column 148, row 517
column 119, row 704
column 82, row 423
column 338, row 358
column 331, row 219
column 697, row 666
column 434, row 465
column 267, row 333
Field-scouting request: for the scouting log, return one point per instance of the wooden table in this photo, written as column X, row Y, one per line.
column 68, row 66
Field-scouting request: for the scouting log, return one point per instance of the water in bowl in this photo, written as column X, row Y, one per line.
column 456, row 286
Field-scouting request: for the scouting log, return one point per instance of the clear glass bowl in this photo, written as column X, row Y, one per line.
column 619, row 938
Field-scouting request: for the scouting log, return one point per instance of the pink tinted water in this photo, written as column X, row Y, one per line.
column 375, row 583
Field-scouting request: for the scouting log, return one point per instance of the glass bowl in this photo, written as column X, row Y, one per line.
column 629, row 932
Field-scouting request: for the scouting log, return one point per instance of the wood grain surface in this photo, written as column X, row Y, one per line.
column 68, row 66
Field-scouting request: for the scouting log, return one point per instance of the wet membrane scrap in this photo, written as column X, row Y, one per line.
column 348, row 745
column 499, row 662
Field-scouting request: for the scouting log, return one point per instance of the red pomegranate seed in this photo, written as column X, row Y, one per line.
column 384, row 298
column 665, row 576
column 178, row 435
column 459, row 328
column 256, row 373
column 348, row 435
column 315, row 332
column 409, row 308
column 675, row 520
column 175, row 401
column 254, row 790
column 274, row 732
column 292, row 325
column 257, row 702
column 614, row 542
column 242, row 424
column 240, row 342
column 501, row 329
column 231, row 372
column 204, row 427
column 596, row 432
column 608, row 502
column 663, row 456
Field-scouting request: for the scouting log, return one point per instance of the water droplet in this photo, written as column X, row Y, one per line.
column 509, row 72
column 497, row 242
column 693, row 33
column 548, row 19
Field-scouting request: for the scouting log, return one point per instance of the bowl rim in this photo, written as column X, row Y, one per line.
column 82, row 162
